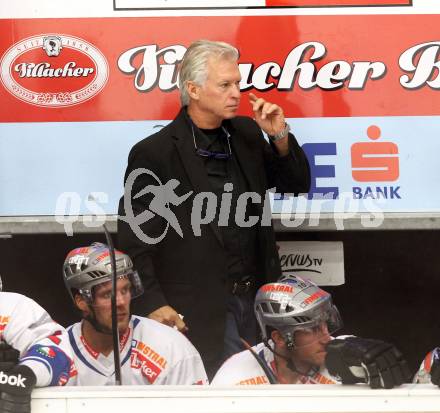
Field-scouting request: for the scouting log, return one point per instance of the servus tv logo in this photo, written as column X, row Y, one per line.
column 53, row 70
column 375, row 167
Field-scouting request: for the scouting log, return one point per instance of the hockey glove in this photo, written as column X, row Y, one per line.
column 435, row 368
column 359, row 360
column 8, row 356
column 15, row 389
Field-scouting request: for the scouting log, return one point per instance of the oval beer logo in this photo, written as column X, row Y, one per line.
column 53, row 70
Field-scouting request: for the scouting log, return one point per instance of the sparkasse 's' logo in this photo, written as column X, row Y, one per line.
column 375, row 162
column 53, row 70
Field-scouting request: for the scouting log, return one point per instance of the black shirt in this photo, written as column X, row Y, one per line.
column 240, row 243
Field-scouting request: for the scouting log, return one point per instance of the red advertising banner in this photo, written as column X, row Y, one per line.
column 105, row 69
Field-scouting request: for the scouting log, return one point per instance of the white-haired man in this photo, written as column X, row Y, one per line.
column 208, row 267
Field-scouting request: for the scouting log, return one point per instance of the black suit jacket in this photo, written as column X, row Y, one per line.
column 189, row 273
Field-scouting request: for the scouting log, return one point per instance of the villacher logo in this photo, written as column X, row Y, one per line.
column 53, row 70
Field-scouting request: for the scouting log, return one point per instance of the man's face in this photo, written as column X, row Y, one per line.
column 310, row 345
column 102, row 304
column 219, row 97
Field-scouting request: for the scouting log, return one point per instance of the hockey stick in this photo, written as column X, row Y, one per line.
column 115, row 331
column 269, row 373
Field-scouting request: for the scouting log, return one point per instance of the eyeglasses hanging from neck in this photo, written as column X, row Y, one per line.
column 213, row 154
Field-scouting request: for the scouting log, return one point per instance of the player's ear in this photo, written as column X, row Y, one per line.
column 81, row 303
column 277, row 338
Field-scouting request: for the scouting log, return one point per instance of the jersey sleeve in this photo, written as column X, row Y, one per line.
column 240, row 369
column 226, row 375
column 188, row 366
column 42, row 343
column 187, row 371
column 423, row 375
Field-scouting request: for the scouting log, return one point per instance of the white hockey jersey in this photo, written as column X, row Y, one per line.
column 151, row 353
column 243, row 369
column 42, row 343
column 423, row 375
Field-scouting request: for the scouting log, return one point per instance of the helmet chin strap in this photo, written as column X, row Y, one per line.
column 91, row 318
column 290, row 363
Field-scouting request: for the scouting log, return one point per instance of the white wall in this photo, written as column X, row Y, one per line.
column 255, row 399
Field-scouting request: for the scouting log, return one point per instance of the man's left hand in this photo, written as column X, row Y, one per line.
column 270, row 117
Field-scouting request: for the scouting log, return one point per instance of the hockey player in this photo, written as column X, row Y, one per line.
column 296, row 319
column 34, row 351
column 150, row 352
column 429, row 371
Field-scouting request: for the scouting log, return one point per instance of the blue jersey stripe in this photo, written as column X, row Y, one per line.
column 136, row 321
column 79, row 354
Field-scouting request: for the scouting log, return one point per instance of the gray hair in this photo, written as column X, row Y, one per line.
column 193, row 66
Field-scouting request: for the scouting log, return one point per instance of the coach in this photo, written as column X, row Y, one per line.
column 208, row 162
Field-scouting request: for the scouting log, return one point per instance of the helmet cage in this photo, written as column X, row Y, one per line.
column 329, row 318
column 328, row 314
column 136, row 288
